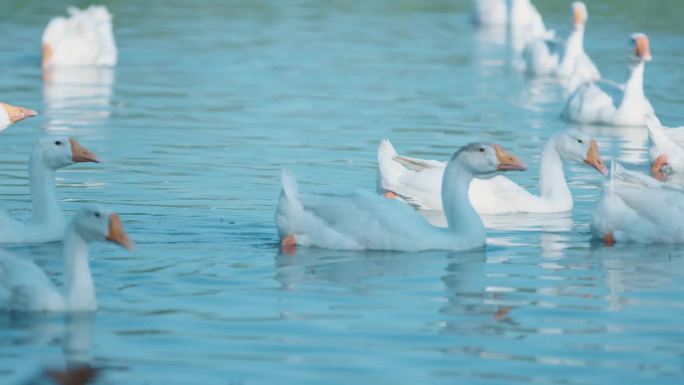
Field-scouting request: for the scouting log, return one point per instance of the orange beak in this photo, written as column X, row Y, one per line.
column 594, row 158
column 578, row 18
column 47, row 55
column 17, row 114
column 643, row 48
column 508, row 161
column 117, row 233
column 80, row 153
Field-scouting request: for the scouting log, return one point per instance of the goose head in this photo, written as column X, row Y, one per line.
column 641, row 48
column 575, row 146
column 99, row 224
column 579, row 14
column 486, row 160
column 10, row 114
column 57, row 152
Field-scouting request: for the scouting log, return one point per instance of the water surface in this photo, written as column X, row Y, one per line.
column 211, row 99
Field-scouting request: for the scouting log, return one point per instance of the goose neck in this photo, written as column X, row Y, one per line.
column 460, row 215
column 43, row 197
column 552, row 181
column 635, row 85
column 79, row 287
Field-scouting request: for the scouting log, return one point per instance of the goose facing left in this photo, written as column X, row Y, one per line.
column 365, row 221
column 25, row 287
column 10, row 114
column 48, row 222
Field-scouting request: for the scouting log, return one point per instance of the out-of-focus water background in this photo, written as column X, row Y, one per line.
column 212, row 98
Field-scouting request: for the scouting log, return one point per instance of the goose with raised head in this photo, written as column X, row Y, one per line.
column 10, row 114
column 608, row 103
column 25, row 287
column 48, row 222
column 365, row 221
column 563, row 58
column 666, row 148
column 636, row 208
column 418, row 181
column 85, row 38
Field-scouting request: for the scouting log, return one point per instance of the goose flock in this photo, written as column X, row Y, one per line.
column 633, row 207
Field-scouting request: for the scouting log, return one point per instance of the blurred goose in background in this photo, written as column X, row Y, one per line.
column 666, row 148
column 48, row 222
column 521, row 15
column 489, row 13
column 637, row 208
column 10, row 114
column 419, row 182
column 609, row 103
column 85, row 38
column 365, row 221
column 25, row 287
column 565, row 59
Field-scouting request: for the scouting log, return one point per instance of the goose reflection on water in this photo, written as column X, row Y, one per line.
column 77, row 97
column 72, row 332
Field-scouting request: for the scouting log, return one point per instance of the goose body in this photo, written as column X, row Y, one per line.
column 25, row 287
column 666, row 148
column 564, row 59
column 364, row 221
column 84, row 38
column 637, row 208
column 608, row 103
column 48, row 221
column 525, row 21
column 418, row 181
column 10, row 114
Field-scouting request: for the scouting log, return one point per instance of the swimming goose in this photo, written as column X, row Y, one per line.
column 609, row 103
column 365, row 221
column 10, row 114
column 637, row 208
column 85, row 38
column 25, row 287
column 666, row 148
column 419, row 181
column 565, row 59
column 48, row 222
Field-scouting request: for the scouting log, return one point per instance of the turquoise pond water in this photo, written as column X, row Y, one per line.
column 212, row 98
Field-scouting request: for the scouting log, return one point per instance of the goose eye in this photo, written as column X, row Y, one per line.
column 580, row 141
column 481, row 149
column 97, row 215
column 58, row 142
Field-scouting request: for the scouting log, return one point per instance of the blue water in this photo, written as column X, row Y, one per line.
column 211, row 99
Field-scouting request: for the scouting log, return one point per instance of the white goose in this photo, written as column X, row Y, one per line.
column 25, row 287
column 10, row 114
column 637, row 208
column 48, row 222
column 666, row 148
column 418, row 181
column 605, row 102
column 565, row 59
column 489, row 13
column 365, row 221
column 85, row 38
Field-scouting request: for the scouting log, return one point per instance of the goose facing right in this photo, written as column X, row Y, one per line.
column 10, row 114
column 48, row 222
column 25, row 287
column 607, row 103
column 366, row 221
column 418, row 181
